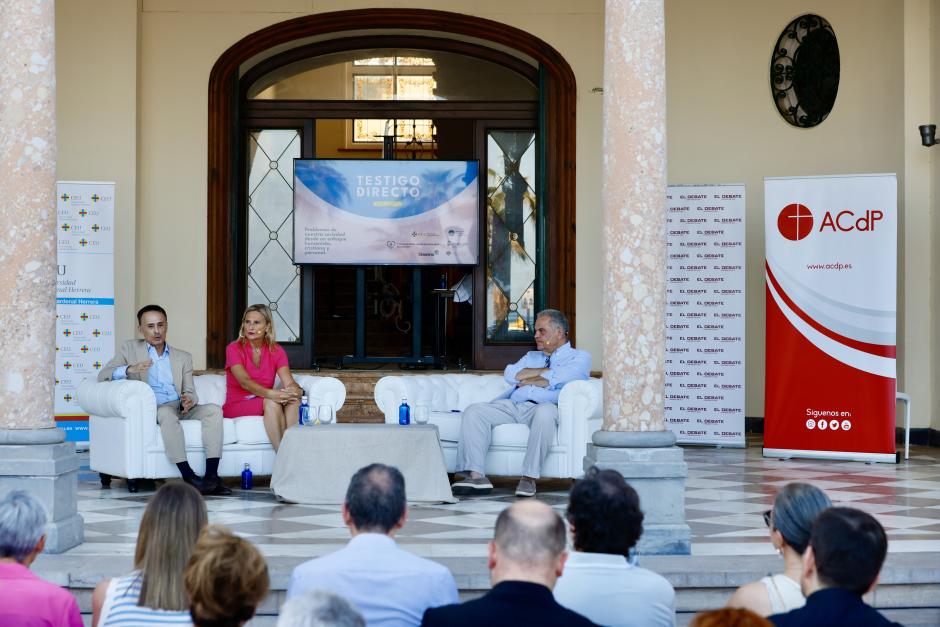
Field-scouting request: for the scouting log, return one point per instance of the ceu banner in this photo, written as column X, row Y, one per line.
column 386, row 212
column 84, row 295
column 704, row 401
column 831, row 280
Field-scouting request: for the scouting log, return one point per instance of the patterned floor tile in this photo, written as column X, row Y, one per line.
column 726, row 492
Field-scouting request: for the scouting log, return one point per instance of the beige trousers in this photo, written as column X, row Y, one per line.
column 169, row 416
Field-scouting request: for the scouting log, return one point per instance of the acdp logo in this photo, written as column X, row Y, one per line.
column 795, row 222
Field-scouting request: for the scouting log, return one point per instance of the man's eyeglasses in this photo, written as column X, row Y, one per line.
column 768, row 517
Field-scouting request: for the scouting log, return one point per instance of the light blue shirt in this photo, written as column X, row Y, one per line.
column 608, row 590
column 390, row 586
column 159, row 375
column 565, row 364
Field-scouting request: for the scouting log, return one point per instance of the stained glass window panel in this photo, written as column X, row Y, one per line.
column 365, row 130
column 273, row 279
column 511, row 242
column 373, row 87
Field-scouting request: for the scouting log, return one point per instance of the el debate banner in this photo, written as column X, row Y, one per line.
column 84, row 295
column 704, row 400
column 831, row 264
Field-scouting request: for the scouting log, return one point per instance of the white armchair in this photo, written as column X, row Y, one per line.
column 447, row 395
column 125, row 439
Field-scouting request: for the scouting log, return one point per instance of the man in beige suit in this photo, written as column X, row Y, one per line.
column 169, row 372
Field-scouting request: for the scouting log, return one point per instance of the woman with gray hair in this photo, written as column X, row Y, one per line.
column 25, row 599
column 789, row 523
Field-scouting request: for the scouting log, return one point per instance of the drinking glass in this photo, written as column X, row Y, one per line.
column 325, row 414
column 422, row 414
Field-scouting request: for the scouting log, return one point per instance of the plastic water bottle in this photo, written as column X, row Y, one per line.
column 304, row 414
column 246, row 478
column 404, row 413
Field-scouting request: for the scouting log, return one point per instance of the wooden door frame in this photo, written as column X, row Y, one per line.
column 559, row 102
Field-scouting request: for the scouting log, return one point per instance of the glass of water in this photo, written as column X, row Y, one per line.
column 325, row 414
column 422, row 414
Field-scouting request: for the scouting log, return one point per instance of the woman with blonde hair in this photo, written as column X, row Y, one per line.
column 251, row 364
column 789, row 524
column 154, row 591
column 226, row 579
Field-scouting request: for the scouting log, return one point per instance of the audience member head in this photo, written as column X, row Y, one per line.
column 319, row 608
column 375, row 500
column 22, row 527
column 604, row 513
column 258, row 318
column 729, row 617
column 795, row 509
column 168, row 532
column 846, row 550
column 528, row 544
column 226, row 579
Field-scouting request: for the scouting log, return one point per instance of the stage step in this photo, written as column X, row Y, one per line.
column 909, row 591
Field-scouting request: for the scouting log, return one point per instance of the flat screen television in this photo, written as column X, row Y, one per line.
column 367, row 212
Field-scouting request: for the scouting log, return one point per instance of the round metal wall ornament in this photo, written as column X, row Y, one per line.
column 804, row 71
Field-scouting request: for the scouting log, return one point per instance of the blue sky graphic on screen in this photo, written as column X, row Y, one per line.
column 386, row 212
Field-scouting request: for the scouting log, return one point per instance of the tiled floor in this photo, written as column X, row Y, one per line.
column 726, row 492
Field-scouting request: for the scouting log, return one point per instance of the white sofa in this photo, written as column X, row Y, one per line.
column 125, row 439
column 447, row 395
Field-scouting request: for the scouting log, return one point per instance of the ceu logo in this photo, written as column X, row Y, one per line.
column 795, row 222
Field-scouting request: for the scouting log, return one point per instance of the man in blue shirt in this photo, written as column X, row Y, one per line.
column 536, row 382
column 169, row 373
column 391, row 587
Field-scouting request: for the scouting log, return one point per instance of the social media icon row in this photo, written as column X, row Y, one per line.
column 834, row 425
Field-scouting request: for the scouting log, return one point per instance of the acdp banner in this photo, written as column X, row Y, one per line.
column 831, row 263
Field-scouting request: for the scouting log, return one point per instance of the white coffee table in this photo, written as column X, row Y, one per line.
column 314, row 463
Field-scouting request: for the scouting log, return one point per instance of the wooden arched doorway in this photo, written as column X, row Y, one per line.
column 554, row 117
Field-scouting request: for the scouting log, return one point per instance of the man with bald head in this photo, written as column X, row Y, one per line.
column 526, row 557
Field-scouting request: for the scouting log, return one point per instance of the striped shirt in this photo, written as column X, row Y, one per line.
column 121, row 610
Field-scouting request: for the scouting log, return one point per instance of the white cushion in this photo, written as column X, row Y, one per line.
column 250, row 430
column 448, row 425
column 210, row 388
column 479, row 390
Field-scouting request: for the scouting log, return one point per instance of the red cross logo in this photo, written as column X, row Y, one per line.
column 66, row 333
column 67, row 365
column 84, row 317
column 84, row 349
column 66, row 227
column 795, row 222
column 82, row 213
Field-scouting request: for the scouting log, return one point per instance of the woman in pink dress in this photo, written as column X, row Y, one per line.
column 251, row 363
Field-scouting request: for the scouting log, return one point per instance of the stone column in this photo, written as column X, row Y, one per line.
column 634, row 439
column 33, row 453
